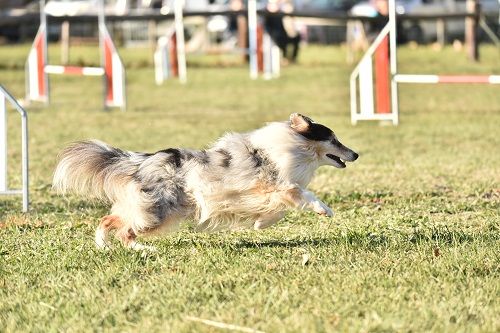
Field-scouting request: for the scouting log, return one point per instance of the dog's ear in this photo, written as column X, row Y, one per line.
column 299, row 122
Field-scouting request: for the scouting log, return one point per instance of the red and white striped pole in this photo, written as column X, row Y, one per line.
column 37, row 81
column 114, row 71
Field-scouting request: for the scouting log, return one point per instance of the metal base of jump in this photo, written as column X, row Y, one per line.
column 384, row 104
column 4, row 188
column 111, row 70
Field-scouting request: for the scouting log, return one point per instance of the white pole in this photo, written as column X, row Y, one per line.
column 26, row 200
column 65, row 42
column 3, row 144
column 179, row 35
column 266, row 50
column 252, row 38
column 43, row 22
column 159, row 66
column 276, row 54
column 366, row 87
column 393, row 61
column 101, row 23
column 101, row 20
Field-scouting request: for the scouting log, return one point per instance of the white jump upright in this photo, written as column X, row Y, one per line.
column 271, row 57
column 252, row 38
column 179, row 38
column 111, row 69
column 384, row 91
column 163, row 63
column 5, row 97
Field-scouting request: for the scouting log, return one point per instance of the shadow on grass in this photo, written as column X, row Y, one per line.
column 288, row 243
column 354, row 239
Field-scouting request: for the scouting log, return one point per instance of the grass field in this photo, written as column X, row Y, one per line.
column 414, row 245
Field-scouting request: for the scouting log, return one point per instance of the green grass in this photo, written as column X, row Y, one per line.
column 414, row 245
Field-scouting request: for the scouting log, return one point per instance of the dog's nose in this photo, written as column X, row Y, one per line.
column 355, row 156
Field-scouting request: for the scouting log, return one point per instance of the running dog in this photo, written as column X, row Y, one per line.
column 241, row 181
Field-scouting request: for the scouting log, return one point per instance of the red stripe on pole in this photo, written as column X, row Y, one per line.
column 174, row 62
column 73, row 70
column 382, row 83
column 40, row 58
column 463, row 79
column 260, row 48
column 108, row 68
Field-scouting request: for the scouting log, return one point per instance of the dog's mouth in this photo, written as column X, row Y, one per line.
column 339, row 162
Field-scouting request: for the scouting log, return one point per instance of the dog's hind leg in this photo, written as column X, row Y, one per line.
column 124, row 233
column 265, row 221
column 108, row 223
column 128, row 238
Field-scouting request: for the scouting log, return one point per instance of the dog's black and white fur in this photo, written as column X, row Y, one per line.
column 243, row 180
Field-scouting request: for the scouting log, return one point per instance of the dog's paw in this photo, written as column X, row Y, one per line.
column 141, row 247
column 101, row 242
column 322, row 209
column 259, row 225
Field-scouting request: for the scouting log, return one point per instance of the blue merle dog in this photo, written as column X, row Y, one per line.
column 241, row 181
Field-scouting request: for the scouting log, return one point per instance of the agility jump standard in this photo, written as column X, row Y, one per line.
column 263, row 53
column 4, row 187
column 170, row 55
column 112, row 69
column 386, row 105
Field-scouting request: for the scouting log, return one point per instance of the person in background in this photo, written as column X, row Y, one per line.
column 373, row 28
column 282, row 29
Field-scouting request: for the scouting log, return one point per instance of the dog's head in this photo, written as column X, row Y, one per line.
column 329, row 149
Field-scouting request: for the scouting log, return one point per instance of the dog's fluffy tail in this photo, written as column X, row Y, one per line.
column 94, row 169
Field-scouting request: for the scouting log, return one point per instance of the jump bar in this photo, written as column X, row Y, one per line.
column 85, row 71
column 420, row 78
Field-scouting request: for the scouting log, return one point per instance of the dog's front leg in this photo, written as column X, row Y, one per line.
column 315, row 204
column 267, row 220
column 305, row 199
